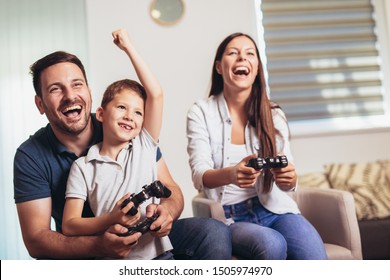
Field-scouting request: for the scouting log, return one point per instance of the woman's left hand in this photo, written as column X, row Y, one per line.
column 286, row 177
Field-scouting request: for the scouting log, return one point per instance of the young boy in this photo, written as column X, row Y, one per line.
column 123, row 163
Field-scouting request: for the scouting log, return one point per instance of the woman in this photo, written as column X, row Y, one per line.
column 236, row 123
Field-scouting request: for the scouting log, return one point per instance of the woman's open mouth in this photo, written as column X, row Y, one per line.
column 241, row 71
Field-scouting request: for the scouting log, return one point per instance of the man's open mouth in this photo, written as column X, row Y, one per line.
column 72, row 111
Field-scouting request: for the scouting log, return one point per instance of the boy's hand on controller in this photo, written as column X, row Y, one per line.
column 118, row 214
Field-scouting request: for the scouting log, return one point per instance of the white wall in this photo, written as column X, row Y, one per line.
column 181, row 56
column 313, row 152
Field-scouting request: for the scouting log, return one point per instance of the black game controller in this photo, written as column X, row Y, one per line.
column 142, row 227
column 155, row 189
column 270, row 162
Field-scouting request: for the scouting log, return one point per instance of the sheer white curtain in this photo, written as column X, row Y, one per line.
column 28, row 31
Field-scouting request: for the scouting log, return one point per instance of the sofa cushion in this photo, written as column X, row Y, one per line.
column 368, row 183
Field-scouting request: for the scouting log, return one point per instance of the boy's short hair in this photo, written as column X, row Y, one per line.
column 118, row 86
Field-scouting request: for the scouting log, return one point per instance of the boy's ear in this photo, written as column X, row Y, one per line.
column 99, row 114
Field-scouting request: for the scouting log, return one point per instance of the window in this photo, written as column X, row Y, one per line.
column 323, row 61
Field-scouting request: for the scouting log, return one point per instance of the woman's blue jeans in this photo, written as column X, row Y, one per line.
column 260, row 234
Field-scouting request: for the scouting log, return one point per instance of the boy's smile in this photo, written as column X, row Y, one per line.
column 122, row 118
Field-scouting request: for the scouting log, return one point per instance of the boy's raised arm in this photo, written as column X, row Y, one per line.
column 154, row 100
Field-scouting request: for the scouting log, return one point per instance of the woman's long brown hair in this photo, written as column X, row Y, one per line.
column 258, row 106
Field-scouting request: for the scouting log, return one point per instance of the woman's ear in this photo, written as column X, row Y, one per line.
column 99, row 114
column 218, row 67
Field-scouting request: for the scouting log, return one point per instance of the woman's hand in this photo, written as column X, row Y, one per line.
column 286, row 177
column 244, row 176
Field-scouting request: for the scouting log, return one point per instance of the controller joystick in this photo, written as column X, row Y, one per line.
column 143, row 226
column 270, row 162
column 155, row 189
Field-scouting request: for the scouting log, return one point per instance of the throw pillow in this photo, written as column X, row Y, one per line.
column 386, row 167
column 368, row 183
column 313, row 180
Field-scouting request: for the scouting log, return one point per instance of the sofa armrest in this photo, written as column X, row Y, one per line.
column 332, row 213
column 204, row 207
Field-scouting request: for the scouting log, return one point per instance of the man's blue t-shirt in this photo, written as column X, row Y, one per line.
column 41, row 169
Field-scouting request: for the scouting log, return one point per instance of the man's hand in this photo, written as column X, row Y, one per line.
column 164, row 220
column 114, row 246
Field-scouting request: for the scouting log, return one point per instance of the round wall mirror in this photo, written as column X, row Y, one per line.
column 167, row 12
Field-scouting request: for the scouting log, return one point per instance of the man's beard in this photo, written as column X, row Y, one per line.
column 76, row 128
column 70, row 128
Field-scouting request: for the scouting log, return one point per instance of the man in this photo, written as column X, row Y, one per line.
column 42, row 164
